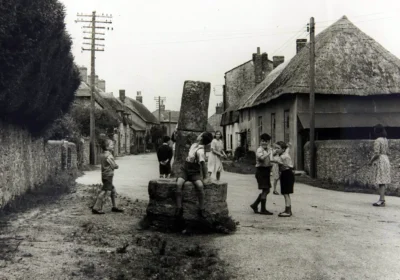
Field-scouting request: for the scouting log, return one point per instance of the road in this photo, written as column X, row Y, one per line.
column 331, row 235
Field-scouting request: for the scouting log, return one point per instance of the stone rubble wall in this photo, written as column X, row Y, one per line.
column 27, row 162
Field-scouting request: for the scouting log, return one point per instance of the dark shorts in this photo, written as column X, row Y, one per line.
column 287, row 181
column 263, row 176
column 165, row 169
column 189, row 172
column 108, row 184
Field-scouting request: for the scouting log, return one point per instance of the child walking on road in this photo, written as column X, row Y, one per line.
column 263, row 174
column 107, row 173
column 194, row 167
column 164, row 155
column 286, row 175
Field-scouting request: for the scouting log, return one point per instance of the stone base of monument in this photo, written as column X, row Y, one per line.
column 162, row 205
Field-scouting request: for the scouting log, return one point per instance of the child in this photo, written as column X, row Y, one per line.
column 263, row 174
column 275, row 171
column 192, row 170
column 286, row 177
column 107, row 173
column 164, row 155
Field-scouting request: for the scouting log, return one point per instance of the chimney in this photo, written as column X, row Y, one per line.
column 257, row 67
column 122, row 95
column 102, row 85
column 83, row 73
column 264, row 62
column 277, row 60
column 219, row 109
column 300, row 43
column 139, row 97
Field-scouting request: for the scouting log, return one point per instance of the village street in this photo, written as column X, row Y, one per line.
column 332, row 235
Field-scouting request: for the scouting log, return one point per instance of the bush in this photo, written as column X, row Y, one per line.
column 38, row 77
column 64, row 128
column 105, row 122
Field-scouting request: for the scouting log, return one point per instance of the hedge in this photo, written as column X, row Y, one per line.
column 38, row 76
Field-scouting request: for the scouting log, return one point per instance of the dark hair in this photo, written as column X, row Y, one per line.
column 215, row 135
column 380, row 131
column 282, row 144
column 206, row 138
column 265, row 137
column 166, row 139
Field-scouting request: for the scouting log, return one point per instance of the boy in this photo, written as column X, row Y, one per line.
column 107, row 173
column 263, row 174
column 192, row 170
column 286, row 175
column 164, row 155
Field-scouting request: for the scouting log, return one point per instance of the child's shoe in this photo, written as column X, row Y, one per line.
column 117, row 210
column 94, row 211
column 265, row 212
column 287, row 212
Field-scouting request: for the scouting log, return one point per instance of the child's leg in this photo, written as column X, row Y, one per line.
column 98, row 206
column 288, row 208
column 179, row 186
column 264, row 202
column 218, row 175
column 382, row 192
column 287, row 200
column 200, row 191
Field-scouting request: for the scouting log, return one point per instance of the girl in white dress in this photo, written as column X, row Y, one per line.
column 217, row 153
column 381, row 163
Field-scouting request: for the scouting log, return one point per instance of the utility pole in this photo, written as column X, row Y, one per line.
column 312, row 98
column 93, row 49
column 159, row 102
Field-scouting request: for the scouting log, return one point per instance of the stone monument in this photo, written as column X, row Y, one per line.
column 193, row 120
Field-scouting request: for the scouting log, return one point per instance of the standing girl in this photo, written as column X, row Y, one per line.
column 286, row 175
column 217, row 152
column 381, row 162
column 263, row 174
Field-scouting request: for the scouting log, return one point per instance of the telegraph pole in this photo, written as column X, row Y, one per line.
column 312, row 98
column 159, row 102
column 93, row 49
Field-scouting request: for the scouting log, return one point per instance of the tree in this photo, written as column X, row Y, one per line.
column 38, row 76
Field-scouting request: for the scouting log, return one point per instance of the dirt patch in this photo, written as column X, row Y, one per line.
column 60, row 239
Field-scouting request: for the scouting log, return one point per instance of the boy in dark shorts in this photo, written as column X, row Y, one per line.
column 286, row 175
column 263, row 174
column 107, row 173
column 194, row 170
column 164, row 155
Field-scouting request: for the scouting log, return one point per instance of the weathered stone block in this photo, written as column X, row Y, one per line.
column 161, row 207
column 195, row 99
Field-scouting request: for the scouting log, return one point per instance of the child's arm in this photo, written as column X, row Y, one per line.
column 112, row 162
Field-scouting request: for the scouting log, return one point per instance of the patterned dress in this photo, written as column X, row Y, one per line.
column 382, row 163
column 214, row 162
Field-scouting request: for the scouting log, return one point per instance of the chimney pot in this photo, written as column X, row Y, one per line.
column 102, row 85
column 300, row 43
column 258, row 50
column 122, row 95
column 139, row 97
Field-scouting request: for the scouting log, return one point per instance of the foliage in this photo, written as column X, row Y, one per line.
column 105, row 121
column 64, row 128
column 38, row 77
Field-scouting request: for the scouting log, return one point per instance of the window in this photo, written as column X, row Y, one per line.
column 286, row 127
column 260, row 125
column 273, row 127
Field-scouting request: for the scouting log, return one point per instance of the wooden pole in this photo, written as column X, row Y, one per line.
column 92, row 102
column 312, row 99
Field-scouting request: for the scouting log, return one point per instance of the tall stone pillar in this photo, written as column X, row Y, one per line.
column 193, row 120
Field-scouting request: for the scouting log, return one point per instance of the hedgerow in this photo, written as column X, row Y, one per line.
column 38, row 76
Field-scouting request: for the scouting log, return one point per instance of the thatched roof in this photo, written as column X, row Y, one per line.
column 215, row 122
column 140, row 110
column 347, row 62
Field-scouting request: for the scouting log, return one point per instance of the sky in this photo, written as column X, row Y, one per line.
column 156, row 45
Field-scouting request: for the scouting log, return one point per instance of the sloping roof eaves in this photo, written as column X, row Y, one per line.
column 141, row 110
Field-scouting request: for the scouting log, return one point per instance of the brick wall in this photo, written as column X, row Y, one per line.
column 338, row 160
column 27, row 162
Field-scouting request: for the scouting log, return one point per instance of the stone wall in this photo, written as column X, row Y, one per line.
column 27, row 162
column 344, row 161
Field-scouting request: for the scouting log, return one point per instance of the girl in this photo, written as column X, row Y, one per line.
column 381, row 162
column 263, row 174
column 214, row 161
column 286, row 175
